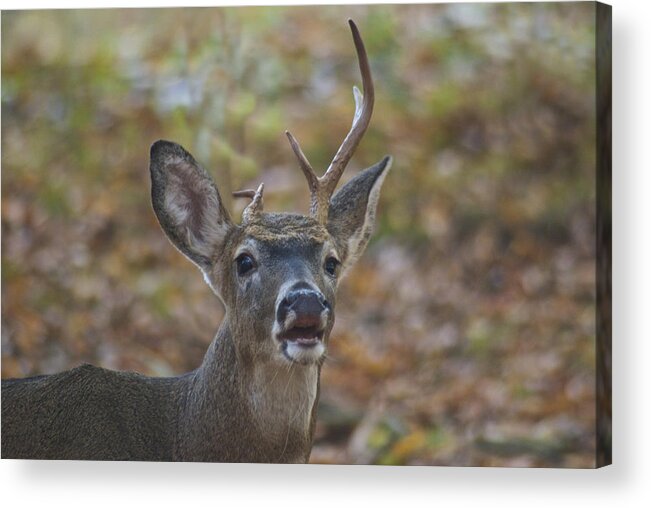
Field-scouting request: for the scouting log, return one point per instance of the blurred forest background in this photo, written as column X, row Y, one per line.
column 466, row 335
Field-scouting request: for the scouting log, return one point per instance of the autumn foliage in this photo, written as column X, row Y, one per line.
column 466, row 334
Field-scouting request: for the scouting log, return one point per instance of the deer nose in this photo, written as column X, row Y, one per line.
column 304, row 305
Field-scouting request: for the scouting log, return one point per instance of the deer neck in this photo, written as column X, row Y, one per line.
column 267, row 410
column 282, row 397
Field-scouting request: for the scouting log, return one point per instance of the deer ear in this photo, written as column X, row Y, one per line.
column 187, row 203
column 351, row 215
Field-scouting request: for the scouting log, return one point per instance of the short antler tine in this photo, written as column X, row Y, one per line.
column 245, row 193
column 312, row 179
column 256, row 204
column 359, row 98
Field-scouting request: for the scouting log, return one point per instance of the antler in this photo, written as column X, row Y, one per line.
column 256, row 204
column 322, row 188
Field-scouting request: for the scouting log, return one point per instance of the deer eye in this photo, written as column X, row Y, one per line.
column 331, row 265
column 245, row 264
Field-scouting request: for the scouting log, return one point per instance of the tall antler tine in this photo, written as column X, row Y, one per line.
column 322, row 188
column 363, row 111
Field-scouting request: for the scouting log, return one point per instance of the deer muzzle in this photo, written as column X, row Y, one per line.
column 301, row 318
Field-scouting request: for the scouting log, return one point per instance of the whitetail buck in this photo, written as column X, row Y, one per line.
column 254, row 397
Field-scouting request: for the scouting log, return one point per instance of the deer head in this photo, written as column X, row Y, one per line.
column 276, row 273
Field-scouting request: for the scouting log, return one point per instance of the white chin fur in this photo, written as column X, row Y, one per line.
column 304, row 355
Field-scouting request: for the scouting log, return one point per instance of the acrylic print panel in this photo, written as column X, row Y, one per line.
column 475, row 328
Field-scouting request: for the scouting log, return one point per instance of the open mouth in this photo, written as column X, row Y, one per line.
column 302, row 344
column 305, row 337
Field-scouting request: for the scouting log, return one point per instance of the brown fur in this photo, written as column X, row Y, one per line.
column 246, row 402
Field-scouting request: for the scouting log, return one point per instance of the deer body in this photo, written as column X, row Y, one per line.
column 254, row 397
column 210, row 414
column 90, row 413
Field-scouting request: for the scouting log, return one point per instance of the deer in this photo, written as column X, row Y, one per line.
column 254, row 397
